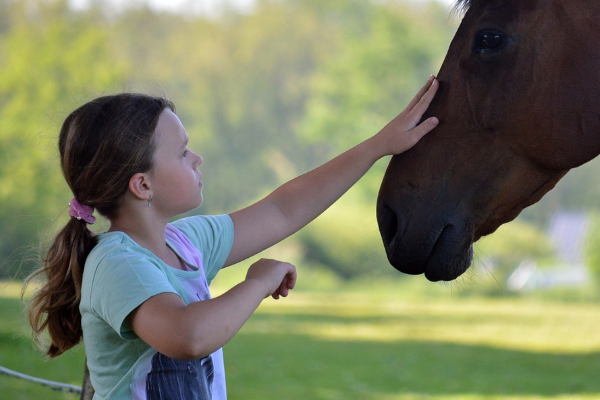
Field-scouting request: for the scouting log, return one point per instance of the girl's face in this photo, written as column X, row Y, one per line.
column 176, row 181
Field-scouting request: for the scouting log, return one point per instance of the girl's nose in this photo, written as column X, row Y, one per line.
column 199, row 160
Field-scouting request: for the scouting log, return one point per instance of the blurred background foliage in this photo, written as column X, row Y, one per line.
column 266, row 93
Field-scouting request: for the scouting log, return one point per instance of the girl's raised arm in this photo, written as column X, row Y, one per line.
column 299, row 201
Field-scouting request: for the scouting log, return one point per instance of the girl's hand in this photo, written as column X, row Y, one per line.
column 402, row 132
column 277, row 277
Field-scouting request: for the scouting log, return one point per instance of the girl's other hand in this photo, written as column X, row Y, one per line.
column 277, row 277
column 402, row 132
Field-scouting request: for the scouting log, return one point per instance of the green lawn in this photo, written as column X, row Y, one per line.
column 376, row 345
column 18, row 353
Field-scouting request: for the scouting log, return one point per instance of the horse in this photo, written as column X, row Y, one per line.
column 518, row 108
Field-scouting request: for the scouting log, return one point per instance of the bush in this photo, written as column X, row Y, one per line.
column 346, row 240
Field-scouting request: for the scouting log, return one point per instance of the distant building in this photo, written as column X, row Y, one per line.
column 567, row 231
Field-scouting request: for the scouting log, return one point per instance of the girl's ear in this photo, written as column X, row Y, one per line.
column 140, row 186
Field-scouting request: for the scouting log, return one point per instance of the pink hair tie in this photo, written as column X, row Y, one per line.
column 81, row 212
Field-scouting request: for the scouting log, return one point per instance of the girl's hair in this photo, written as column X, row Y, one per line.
column 102, row 145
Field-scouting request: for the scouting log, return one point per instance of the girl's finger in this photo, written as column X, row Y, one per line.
column 424, row 127
column 291, row 279
column 420, row 93
column 425, row 100
column 282, row 290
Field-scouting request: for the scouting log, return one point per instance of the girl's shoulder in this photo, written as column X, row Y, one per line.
column 204, row 225
column 117, row 251
column 118, row 265
column 116, row 243
column 207, row 232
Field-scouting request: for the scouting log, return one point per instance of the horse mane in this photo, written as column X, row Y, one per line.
column 462, row 6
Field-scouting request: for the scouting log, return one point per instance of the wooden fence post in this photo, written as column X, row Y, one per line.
column 87, row 391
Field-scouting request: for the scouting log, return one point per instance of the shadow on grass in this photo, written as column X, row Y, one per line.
column 303, row 367
column 292, row 366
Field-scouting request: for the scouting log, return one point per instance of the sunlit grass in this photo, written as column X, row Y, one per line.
column 508, row 323
column 10, row 289
column 377, row 345
column 476, row 397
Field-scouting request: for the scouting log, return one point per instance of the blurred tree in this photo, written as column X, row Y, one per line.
column 256, row 83
column 238, row 83
column 51, row 56
column 383, row 62
column 346, row 240
column 265, row 94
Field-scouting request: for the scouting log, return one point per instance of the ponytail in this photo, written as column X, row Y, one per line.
column 55, row 306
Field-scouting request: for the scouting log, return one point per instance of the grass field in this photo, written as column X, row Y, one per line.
column 374, row 344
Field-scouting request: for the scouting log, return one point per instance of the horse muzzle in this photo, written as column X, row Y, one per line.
column 441, row 248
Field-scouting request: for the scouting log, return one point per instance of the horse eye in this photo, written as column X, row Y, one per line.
column 488, row 42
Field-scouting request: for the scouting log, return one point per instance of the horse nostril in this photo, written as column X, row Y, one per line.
column 388, row 223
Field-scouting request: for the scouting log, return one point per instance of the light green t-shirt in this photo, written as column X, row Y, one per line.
column 119, row 275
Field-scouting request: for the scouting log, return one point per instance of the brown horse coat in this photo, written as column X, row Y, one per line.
column 519, row 105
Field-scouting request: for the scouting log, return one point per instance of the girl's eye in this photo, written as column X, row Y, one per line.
column 184, row 153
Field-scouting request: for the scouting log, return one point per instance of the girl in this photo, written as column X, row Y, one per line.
column 138, row 293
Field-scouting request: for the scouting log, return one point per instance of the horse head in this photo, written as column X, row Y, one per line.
column 518, row 106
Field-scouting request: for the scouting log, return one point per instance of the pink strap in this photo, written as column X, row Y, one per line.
column 81, row 212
